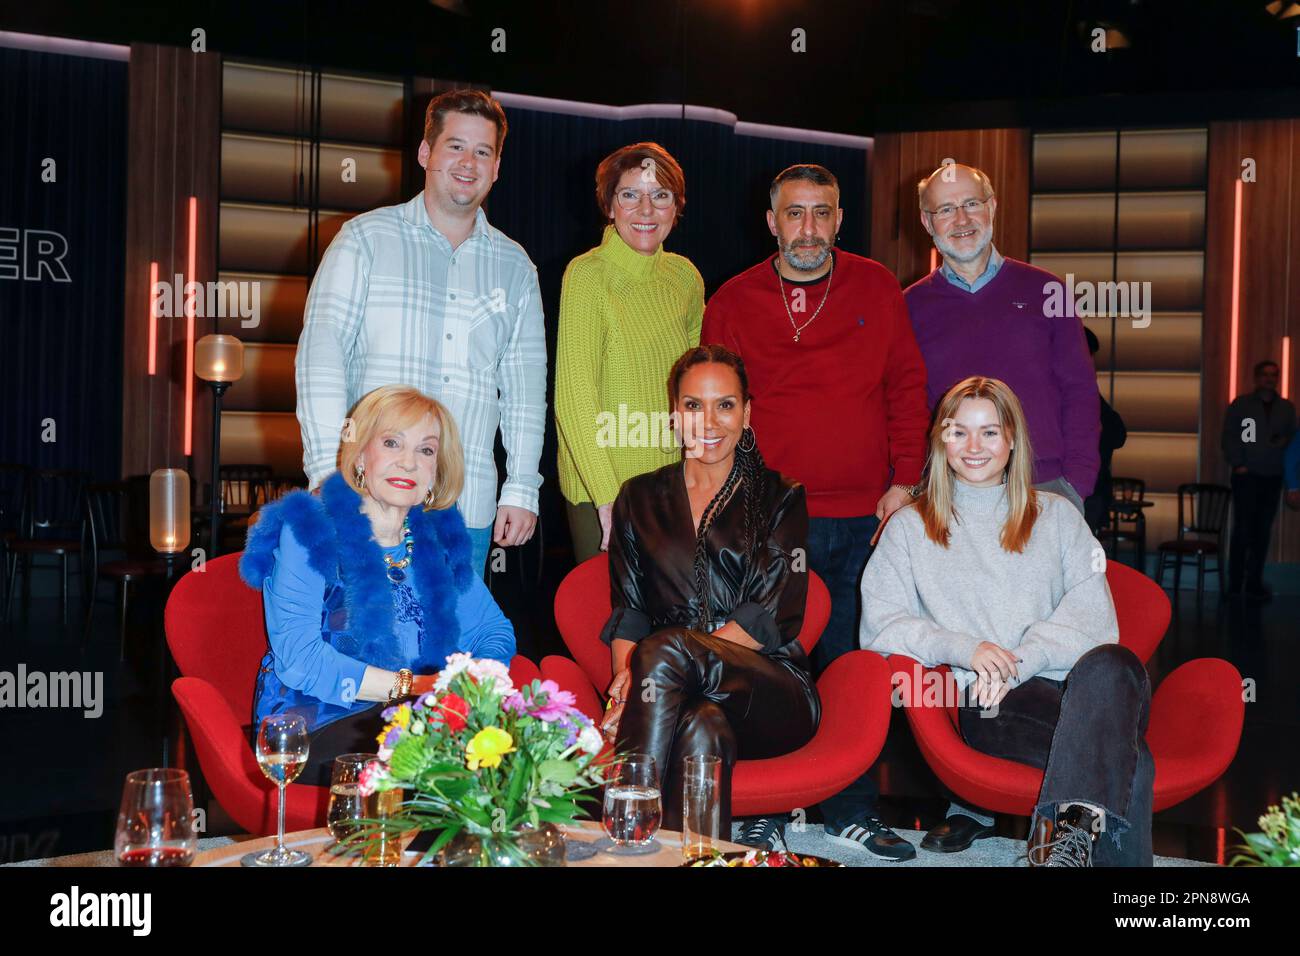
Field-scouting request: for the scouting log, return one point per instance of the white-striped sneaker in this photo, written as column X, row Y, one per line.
column 871, row 834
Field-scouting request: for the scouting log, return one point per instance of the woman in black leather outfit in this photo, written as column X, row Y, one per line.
column 725, row 675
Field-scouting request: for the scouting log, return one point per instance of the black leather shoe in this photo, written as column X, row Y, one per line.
column 955, row 834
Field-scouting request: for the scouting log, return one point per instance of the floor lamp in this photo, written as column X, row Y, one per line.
column 219, row 361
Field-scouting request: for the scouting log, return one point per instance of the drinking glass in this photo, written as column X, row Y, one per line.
column 701, row 804
column 282, row 748
column 155, row 825
column 633, row 807
column 381, row 805
column 347, row 805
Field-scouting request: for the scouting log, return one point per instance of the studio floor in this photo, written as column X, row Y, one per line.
column 67, row 770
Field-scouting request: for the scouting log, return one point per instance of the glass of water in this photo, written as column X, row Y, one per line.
column 633, row 806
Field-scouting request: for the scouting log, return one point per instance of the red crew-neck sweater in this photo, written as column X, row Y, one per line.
column 845, row 405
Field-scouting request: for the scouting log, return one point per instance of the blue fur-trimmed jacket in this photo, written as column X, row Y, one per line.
column 331, row 610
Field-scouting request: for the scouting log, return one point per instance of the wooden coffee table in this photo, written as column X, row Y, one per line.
column 316, row 842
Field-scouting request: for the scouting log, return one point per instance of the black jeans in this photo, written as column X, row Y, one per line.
column 1087, row 734
column 355, row 734
column 838, row 550
column 1254, row 506
column 694, row 693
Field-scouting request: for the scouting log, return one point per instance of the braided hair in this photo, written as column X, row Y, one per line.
column 748, row 471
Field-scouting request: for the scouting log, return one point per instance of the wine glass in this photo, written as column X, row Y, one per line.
column 633, row 807
column 155, row 825
column 347, row 805
column 282, row 747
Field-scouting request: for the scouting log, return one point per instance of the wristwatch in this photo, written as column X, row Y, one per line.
column 401, row 686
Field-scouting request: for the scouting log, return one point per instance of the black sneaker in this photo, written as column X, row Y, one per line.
column 871, row 834
column 1067, row 843
column 763, row 833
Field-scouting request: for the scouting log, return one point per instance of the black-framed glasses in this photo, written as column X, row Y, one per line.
column 948, row 210
column 629, row 199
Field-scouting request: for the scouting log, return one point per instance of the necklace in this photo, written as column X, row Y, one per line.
column 397, row 569
column 798, row 329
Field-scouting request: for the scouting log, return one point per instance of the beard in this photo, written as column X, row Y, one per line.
column 805, row 254
column 982, row 240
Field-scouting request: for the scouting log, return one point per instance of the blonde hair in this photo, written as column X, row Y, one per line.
column 935, row 502
column 395, row 408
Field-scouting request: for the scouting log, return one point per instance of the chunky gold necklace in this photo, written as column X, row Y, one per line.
column 798, row 329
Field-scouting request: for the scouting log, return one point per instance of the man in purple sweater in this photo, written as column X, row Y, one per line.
column 983, row 314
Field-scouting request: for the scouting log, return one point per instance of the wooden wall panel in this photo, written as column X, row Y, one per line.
column 1269, row 284
column 898, row 239
column 173, row 150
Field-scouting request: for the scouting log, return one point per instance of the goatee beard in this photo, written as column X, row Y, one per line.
column 821, row 252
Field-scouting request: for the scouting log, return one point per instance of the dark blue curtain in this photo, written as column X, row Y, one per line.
column 61, row 357
column 545, row 199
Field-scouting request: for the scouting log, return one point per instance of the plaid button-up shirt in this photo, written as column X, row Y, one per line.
column 394, row 304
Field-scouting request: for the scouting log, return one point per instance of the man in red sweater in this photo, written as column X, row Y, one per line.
column 839, row 403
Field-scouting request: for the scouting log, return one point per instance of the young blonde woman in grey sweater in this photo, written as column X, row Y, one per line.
column 1007, row 586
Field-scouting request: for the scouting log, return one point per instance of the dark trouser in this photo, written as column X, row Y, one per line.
column 694, row 693
column 838, row 549
column 1254, row 506
column 354, row 734
column 584, row 530
column 1088, row 736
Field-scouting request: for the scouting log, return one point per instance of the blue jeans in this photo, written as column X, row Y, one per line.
column 838, row 549
column 480, row 540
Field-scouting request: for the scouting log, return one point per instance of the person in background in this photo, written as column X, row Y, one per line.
column 628, row 309
column 369, row 586
column 1096, row 508
column 981, row 313
column 1256, row 431
column 839, row 404
column 1002, row 583
column 707, row 596
column 429, row 294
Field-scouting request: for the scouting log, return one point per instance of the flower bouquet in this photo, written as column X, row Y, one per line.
column 1279, row 844
column 484, row 761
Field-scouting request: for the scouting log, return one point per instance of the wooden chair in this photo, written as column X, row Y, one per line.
column 1127, row 519
column 53, row 525
column 107, row 520
column 1202, row 520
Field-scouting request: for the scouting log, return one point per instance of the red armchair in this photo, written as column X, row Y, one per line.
column 217, row 635
column 854, row 692
column 1194, row 728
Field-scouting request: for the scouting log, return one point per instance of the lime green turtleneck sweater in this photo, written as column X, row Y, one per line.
column 624, row 319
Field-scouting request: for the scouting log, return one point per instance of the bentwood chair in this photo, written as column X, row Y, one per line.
column 1127, row 519
column 1202, row 520
column 107, row 519
column 53, row 525
column 854, row 693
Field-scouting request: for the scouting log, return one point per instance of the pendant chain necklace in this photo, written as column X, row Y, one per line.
column 798, row 329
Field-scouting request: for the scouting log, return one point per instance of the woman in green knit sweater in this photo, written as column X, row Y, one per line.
column 628, row 309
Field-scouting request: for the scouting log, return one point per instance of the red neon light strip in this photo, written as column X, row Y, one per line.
column 153, row 319
column 934, row 258
column 1236, row 292
column 189, row 333
column 1286, row 366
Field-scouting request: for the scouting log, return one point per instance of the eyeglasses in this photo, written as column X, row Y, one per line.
column 629, row 199
column 948, row 210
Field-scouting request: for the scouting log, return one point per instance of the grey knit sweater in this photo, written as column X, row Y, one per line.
column 1049, row 604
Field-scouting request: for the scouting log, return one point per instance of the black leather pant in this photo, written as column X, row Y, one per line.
column 1088, row 735
column 694, row 693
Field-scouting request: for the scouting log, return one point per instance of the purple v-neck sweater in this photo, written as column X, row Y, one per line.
column 1004, row 331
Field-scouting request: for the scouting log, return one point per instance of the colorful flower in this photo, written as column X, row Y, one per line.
column 589, row 740
column 487, row 748
column 452, row 711
column 372, row 774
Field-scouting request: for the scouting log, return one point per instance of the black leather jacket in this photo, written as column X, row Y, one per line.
column 652, row 554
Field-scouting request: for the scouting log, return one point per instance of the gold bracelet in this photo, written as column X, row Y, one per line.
column 401, row 686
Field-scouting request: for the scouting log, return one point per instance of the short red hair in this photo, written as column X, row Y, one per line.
column 667, row 172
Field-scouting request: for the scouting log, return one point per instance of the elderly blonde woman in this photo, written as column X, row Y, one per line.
column 1006, row 585
column 368, row 587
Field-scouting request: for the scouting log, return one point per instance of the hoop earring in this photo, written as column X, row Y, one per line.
column 753, row 441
